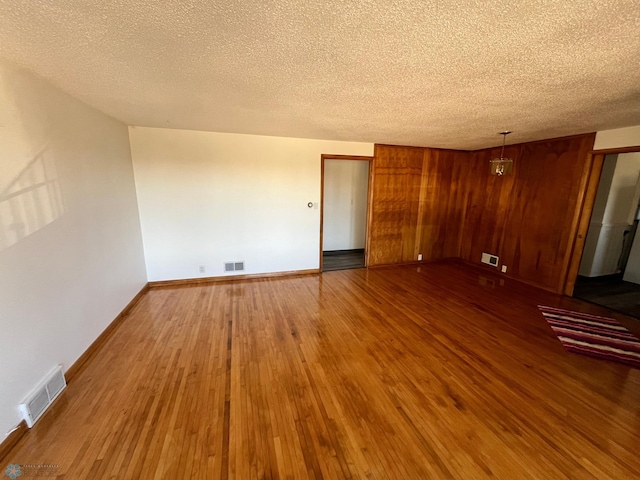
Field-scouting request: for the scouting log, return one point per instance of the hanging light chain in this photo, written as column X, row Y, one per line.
column 501, row 166
column 504, row 140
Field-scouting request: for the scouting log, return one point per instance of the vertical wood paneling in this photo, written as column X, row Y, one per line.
column 444, row 197
column 488, row 200
column 395, row 205
column 527, row 218
column 540, row 218
column 445, row 203
column 419, row 200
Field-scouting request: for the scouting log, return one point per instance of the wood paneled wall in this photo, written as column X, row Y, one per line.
column 444, row 203
column 528, row 219
column 418, row 204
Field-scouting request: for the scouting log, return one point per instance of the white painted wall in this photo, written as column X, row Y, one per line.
column 632, row 272
column 206, row 198
column 623, row 197
column 345, row 204
column 590, row 264
column 614, row 210
column 71, row 253
column 607, row 250
column 617, row 138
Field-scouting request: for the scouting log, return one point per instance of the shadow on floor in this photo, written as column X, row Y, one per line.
column 610, row 291
column 342, row 259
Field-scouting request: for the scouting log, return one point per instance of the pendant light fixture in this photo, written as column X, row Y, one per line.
column 502, row 166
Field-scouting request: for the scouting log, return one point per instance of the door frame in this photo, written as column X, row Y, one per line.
column 367, row 232
column 591, row 179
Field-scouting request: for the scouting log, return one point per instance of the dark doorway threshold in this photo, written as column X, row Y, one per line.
column 342, row 259
column 610, row 291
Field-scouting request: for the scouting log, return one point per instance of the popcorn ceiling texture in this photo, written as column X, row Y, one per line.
column 441, row 73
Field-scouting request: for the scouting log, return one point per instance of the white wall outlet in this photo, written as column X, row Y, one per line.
column 504, row 269
column 201, row 269
column 419, row 257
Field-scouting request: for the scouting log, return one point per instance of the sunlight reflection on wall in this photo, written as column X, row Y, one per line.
column 30, row 192
column 31, row 201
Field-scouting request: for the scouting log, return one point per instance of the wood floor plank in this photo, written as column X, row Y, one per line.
column 437, row 371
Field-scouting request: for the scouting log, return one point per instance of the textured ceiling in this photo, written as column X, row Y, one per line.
column 440, row 73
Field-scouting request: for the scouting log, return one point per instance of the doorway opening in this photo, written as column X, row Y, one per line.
column 345, row 199
column 609, row 272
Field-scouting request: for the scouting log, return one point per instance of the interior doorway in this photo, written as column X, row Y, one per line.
column 345, row 202
column 609, row 272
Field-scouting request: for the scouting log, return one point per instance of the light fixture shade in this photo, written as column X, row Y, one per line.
column 501, row 166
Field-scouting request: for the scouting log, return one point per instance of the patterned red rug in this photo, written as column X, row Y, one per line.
column 599, row 337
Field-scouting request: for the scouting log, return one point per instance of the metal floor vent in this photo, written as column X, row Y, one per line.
column 43, row 396
column 233, row 266
column 489, row 259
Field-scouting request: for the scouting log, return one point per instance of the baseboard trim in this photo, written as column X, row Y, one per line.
column 416, row 263
column 95, row 347
column 231, row 278
column 11, row 440
column 481, row 267
column 14, row 437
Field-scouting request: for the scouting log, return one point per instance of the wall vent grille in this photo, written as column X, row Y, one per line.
column 234, row 266
column 43, row 396
column 490, row 259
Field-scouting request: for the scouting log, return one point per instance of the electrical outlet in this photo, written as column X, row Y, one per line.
column 201, row 268
column 419, row 257
column 504, row 269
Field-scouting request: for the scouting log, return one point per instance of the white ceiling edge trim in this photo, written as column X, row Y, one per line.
column 255, row 135
column 605, row 139
column 617, row 138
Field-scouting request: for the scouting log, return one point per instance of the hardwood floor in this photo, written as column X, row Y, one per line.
column 610, row 291
column 342, row 260
column 427, row 372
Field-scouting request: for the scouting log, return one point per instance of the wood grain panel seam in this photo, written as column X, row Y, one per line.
column 424, row 178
